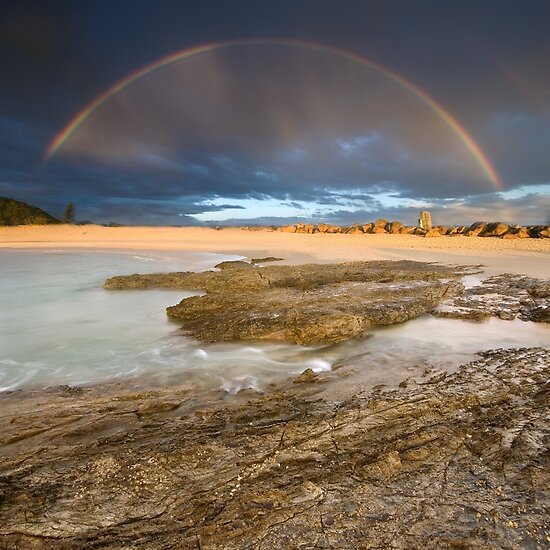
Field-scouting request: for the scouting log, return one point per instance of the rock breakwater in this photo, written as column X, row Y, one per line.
column 380, row 226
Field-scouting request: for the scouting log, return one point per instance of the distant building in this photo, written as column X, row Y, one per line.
column 425, row 221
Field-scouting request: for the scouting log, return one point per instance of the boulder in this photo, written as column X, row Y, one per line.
column 433, row 232
column 323, row 228
column 476, row 228
column 288, row 229
column 305, row 228
column 407, row 230
column 495, row 229
column 395, row 227
column 516, row 233
column 539, row 231
column 381, row 222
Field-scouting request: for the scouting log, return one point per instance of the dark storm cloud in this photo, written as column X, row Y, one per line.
column 249, row 133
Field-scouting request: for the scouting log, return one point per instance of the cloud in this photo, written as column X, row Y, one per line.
column 247, row 128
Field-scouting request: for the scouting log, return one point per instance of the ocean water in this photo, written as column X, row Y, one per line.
column 58, row 325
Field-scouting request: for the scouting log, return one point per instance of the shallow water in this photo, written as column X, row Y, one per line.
column 59, row 326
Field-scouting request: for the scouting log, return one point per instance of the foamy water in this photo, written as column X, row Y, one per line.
column 59, row 326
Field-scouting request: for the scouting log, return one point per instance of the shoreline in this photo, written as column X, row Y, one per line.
column 522, row 256
column 111, row 465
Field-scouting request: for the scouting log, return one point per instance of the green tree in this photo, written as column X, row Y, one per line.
column 68, row 217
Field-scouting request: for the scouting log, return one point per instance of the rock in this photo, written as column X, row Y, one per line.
column 505, row 296
column 407, row 230
column 433, row 232
column 155, row 407
column 288, row 229
column 381, row 222
column 323, row 228
column 539, row 314
column 378, row 229
column 495, row 229
column 305, row 228
column 367, row 227
column 303, row 304
column 356, row 229
column 539, row 231
column 395, row 228
column 308, row 376
column 476, row 228
column 265, row 260
column 234, row 264
column 516, row 233
column 456, row 461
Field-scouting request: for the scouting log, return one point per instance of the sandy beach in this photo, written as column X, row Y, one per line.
column 527, row 256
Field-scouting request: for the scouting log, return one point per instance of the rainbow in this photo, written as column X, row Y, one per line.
column 480, row 157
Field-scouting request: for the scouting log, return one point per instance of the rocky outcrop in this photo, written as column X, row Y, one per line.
column 505, row 296
column 445, row 461
column 305, row 304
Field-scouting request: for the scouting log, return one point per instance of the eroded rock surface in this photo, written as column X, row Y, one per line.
column 506, row 296
column 451, row 461
column 305, row 304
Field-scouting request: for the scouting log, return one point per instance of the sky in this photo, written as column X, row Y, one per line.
column 273, row 112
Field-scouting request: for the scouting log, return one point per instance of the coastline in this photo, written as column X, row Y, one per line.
column 522, row 256
column 112, row 465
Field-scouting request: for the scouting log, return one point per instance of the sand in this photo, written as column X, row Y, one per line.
column 527, row 256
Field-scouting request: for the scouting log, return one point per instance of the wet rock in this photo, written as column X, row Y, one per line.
column 461, row 461
column 539, row 314
column 155, row 407
column 308, row 376
column 505, row 296
column 303, row 304
column 234, row 264
column 265, row 260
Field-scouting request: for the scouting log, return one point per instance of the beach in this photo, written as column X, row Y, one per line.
column 523, row 256
column 424, row 432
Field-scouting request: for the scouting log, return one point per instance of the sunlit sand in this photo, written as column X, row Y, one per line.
column 528, row 256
